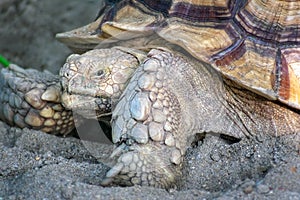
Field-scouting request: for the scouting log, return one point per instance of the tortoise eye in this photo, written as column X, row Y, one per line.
column 100, row 72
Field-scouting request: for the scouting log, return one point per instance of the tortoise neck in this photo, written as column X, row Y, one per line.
column 212, row 103
column 200, row 91
column 209, row 110
column 259, row 115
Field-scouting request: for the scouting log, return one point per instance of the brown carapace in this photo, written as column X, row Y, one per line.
column 256, row 43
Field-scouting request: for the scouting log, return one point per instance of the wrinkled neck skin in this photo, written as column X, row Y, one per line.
column 212, row 103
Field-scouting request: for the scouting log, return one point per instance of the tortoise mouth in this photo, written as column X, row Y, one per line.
column 87, row 106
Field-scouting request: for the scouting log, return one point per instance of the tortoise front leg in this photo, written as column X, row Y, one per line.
column 149, row 125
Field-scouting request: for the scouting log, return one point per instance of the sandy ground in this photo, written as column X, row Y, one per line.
column 35, row 165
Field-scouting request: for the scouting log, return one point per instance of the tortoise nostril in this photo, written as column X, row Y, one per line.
column 67, row 75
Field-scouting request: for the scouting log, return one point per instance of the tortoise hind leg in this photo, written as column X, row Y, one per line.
column 29, row 98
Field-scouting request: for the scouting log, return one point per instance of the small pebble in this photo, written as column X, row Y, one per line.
column 248, row 189
column 263, row 189
column 215, row 156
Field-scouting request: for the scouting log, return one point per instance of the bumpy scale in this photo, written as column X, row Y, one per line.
column 32, row 99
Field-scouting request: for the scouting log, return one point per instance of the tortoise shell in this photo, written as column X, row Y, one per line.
column 256, row 43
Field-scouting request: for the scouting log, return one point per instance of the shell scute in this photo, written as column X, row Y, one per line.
column 209, row 10
column 273, row 20
column 289, row 81
column 252, row 65
column 202, row 40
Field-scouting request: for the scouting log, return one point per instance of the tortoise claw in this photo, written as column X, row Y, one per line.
column 144, row 165
column 117, row 151
column 106, row 182
column 113, row 172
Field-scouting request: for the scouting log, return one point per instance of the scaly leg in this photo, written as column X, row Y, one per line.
column 151, row 124
column 29, row 98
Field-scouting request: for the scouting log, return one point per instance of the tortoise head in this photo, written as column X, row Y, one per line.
column 91, row 81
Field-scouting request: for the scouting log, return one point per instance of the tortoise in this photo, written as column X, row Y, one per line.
column 184, row 67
